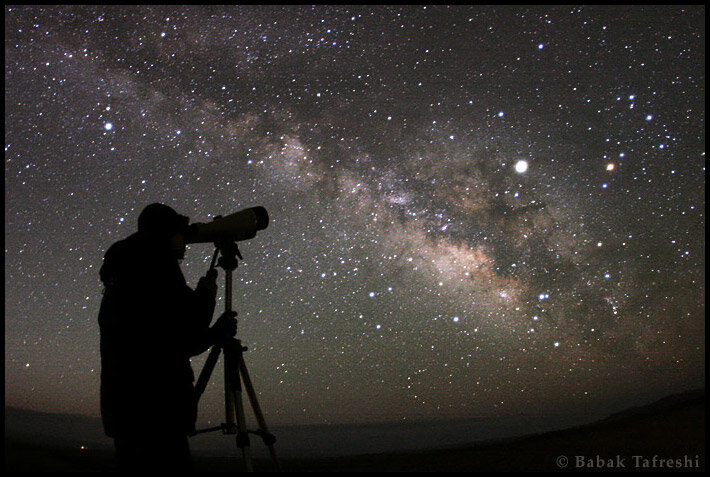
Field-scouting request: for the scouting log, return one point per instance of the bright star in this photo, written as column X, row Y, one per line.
column 521, row 166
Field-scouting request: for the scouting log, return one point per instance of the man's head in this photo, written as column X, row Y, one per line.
column 161, row 223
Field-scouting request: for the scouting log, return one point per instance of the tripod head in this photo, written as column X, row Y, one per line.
column 229, row 254
column 228, row 261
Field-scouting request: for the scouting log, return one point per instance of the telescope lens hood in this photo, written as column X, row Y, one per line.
column 262, row 217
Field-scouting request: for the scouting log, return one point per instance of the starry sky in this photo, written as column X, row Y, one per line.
column 475, row 211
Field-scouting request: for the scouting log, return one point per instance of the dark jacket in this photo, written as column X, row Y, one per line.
column 151, row 323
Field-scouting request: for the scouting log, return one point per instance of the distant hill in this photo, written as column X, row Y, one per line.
column 667, row 435
column 663, row 405
column 53, row 429
column 672, row 429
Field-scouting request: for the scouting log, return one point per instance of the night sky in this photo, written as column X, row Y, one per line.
column 475, row 211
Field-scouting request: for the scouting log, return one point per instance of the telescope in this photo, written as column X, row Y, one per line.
column 238, row 226
column 225, row 232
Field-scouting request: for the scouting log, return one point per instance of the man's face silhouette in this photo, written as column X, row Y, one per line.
column 177, row 245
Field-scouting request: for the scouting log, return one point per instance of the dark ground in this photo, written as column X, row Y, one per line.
column 666, row 436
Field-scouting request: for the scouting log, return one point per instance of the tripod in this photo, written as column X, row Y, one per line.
column 235, row 371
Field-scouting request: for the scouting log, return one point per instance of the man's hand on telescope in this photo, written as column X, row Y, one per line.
column 225, row 327
column 209, row 282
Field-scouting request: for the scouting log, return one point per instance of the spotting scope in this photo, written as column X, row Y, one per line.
column 241, row 225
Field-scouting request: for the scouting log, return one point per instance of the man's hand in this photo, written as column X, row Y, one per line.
column 225, row 327
column 209, row 282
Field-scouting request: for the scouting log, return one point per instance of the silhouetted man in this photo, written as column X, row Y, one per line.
column 151, row 324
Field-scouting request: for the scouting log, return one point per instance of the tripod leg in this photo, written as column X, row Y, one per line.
column 207, row 371
column 229, row 394
column 236, row 401
column 268, row 438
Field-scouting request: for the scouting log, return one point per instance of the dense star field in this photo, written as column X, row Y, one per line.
column 475, row 211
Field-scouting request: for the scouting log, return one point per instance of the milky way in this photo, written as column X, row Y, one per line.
column 475, row 211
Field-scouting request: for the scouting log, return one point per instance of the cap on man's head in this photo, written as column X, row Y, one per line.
column 159, row 220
